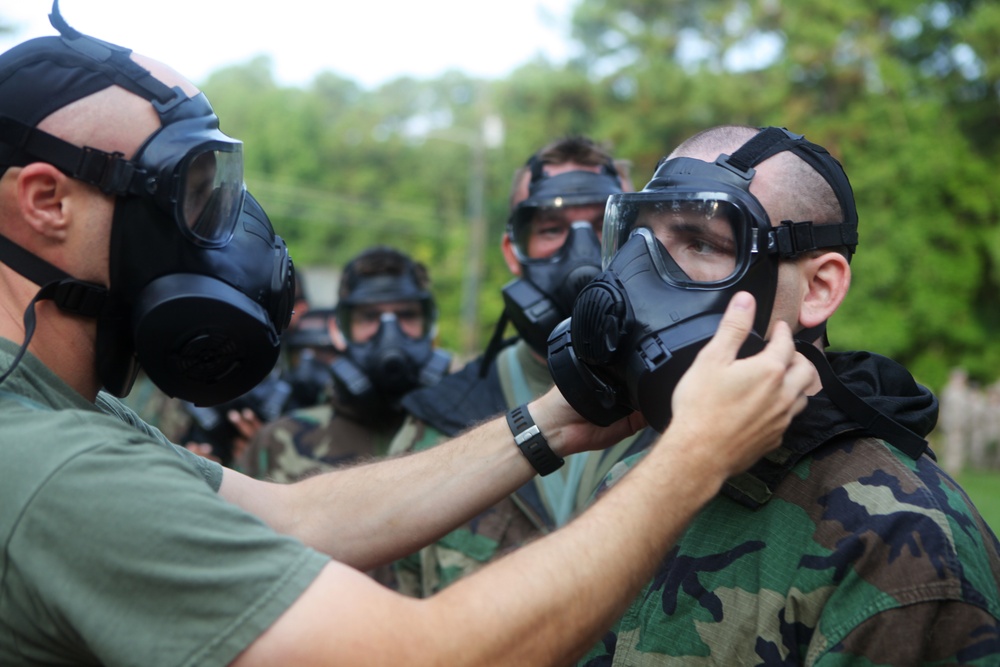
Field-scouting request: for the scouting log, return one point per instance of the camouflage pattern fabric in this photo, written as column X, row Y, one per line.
column 158, row 409
column 313, row 440
column 862, row 556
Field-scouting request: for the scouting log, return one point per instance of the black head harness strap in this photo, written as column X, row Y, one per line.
column 536, row 166
column 793, row 238
column 867, row 416
column 72, row 296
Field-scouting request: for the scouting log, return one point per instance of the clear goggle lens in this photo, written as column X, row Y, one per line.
column 540, row 232
column 211, row 196
column 703, row 239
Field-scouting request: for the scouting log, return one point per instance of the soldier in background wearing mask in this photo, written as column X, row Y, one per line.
column 552, row 247
column 388, row 317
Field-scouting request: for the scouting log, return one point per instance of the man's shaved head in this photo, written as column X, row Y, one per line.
column 786, row 185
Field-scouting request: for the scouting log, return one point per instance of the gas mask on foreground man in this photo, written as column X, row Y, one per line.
column 200, row 286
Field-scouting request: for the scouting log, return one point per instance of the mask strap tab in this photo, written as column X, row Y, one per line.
column 791, row 239
column 870, row 418
column 71, row 295
column 113, row 60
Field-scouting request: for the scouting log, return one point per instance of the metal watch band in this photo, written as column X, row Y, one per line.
column 531, row 442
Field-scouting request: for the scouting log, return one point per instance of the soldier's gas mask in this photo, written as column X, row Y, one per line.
column 543, row 295
column 200, row 286
column 673, row 256
column 372, row 375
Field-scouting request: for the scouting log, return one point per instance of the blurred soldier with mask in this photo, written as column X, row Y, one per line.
column 552, row 246
column 388, row 317
column 128, row 239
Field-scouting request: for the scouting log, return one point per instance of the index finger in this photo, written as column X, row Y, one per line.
column 734, row 327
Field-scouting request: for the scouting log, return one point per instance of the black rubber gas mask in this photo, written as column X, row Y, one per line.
column 543, row 295
column 674, row 254
column 373, row 375
column 200, row 287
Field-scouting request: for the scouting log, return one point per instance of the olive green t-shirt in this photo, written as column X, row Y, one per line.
column 116, row 548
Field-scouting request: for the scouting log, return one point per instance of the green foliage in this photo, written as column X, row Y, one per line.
column 905, row 93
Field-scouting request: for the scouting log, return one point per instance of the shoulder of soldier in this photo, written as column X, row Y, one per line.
column 866, row 491
column 459, row 400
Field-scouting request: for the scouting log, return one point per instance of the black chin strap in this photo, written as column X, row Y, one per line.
column 495, row 344
column 870, row 418
column 69, row 294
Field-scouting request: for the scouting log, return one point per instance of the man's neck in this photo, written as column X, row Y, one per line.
column 66, row 345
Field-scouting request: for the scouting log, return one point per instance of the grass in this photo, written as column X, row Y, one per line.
column 983, row 486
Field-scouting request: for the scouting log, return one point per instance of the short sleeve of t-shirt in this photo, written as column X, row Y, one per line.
column 125, row 554
column 210, row 470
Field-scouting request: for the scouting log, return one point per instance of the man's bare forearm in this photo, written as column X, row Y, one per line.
column 562, row 592
column 375, row 513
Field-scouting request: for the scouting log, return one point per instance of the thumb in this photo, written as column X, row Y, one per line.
column 734, row 327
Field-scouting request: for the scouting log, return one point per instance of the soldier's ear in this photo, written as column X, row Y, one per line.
column 827, row 279
column 47, row 200
column 508, row 255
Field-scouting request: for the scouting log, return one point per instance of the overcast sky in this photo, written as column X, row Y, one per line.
column 369, row 42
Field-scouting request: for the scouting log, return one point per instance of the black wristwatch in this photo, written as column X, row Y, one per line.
column 531, row 442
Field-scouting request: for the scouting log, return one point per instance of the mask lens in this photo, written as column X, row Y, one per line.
column 411, row 317
column 540, row 233
column 700, row 236
column 705, row 238
column 212, row 195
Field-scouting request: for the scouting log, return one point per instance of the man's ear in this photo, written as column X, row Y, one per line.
column 508, row 255
column 42, row 197
column 828, row 277
column 335, row 335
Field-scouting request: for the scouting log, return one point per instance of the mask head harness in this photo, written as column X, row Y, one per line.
column 373, row 375
column 200, row 286
column 543, row 295
column 674, row 254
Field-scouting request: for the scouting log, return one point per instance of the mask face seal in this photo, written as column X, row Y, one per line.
column 673, row 256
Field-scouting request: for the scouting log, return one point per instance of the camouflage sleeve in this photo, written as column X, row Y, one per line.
column 412, row 436
column 289, row 448
column 617, row 471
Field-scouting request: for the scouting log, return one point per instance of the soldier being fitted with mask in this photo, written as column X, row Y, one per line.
column 848, row 545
